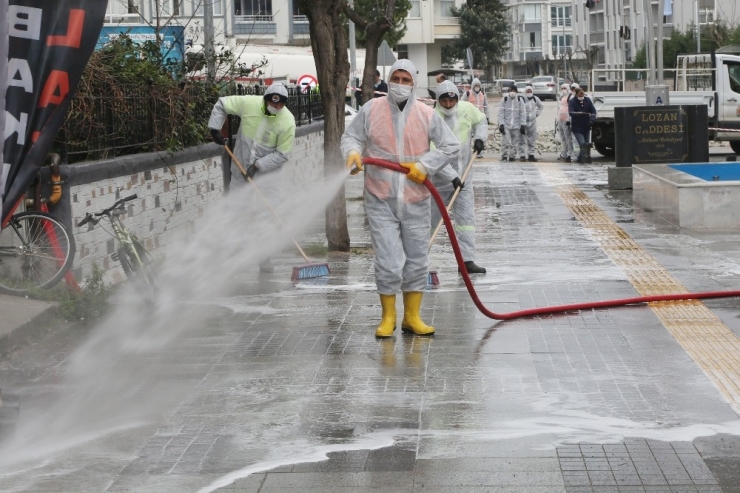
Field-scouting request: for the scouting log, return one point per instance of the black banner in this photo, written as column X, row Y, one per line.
column 49, row 44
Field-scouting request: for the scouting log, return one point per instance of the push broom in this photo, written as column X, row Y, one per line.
column 303, row 271
column 432, row 277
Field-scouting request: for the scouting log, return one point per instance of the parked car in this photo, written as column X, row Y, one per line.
column 545, row 87
column 504, row 84
column 521, row 85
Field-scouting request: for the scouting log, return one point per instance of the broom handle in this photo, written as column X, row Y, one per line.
column 452, row 200
column 264, row 199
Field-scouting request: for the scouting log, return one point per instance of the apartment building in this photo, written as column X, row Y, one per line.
column 260, row 22
column 612, row 31
column 541, row 38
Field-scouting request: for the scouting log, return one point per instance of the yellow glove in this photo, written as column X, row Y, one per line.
column 415, row 174
column 354, row 162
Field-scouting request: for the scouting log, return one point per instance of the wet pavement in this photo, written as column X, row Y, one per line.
column 283, row 387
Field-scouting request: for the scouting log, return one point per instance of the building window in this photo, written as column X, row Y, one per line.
column 530, row 13
column 531, row 41
column 403, row 51
column 560, row 16
column 445, row 8
column 253, row 7
column 176, row 7
column 627, row 51
column 415, row 10
column 561, row 44
column 197, row 7
column 706, row 16
column 217, row 7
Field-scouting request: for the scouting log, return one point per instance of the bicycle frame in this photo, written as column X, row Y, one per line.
column 122, row 234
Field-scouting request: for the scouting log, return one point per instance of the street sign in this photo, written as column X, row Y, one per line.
column 306, row 82
column 385, row 56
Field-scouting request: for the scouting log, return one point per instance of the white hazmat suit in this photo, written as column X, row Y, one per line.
column 511, row 119
column 468, row 124
column 532, row 109
column 400, row 129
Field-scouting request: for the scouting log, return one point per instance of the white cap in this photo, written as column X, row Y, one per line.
column 528, row 89
column 575, row 86
column 447, row 89
column 277, row 93
column 564, row 86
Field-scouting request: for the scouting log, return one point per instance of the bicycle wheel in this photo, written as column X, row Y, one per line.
column 36, row 251
column 139, row 270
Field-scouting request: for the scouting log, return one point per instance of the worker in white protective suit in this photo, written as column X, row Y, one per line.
column 511, row 123
column 397, row 128
column 477, row 96
column 467, row 123
column 566, row 137
column 263, row 143
column 532, row 109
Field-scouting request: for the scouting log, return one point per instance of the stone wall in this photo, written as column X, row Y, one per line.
column 172, row 191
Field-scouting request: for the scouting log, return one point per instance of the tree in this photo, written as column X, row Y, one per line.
column 329, row 43
column 376, row 20
column 485, row 30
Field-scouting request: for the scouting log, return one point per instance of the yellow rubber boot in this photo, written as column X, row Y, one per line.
column 388, row 319
column 411, row 319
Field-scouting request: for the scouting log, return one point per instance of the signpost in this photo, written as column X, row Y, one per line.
column 385, row 56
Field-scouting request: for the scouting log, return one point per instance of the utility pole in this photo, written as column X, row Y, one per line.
column 208, row 42
column 352, row 58
column 698, row 26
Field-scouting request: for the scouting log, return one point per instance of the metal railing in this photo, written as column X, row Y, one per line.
column 251, row 19
column 136, row 118
column 683, row 79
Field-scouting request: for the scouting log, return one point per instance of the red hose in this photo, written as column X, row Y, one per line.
column 545, row 310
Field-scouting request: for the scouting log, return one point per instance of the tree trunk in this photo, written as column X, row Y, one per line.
column 372, row 42
column 329, row 44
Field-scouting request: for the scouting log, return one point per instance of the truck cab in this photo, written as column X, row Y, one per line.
column 703, row 79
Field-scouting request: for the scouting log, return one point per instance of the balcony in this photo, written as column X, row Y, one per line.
column 300, row 24
column 596, row 37
column 559, row 51
column 561, row 23
column 254, row 24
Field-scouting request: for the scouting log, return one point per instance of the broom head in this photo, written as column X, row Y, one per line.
column 307, row 271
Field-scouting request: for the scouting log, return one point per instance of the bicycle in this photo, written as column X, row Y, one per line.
column 36, row 251
column 136, row 261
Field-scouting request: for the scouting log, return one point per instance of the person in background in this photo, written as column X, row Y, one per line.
column 400, row 129
column 566, row 137
column 477, row 96
column 381, row 88
column 511, row 123
column 440, row 78
column 468, row 124
column 263, row 144
column 532, row 109
column 582, row 115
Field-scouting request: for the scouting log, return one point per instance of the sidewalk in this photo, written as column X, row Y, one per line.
column 287, row 390
column 19, row 314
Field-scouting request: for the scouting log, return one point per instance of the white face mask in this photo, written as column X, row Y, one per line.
column 512, row 94
column 271, row 110
column 448, row 112
column 530, row 95
column 476, row 89
column 399, row 92
column 580, row 98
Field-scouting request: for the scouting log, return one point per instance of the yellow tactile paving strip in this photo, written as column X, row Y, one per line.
column 709, row 342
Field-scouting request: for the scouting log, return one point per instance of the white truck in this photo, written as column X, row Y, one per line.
column 711, row 80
